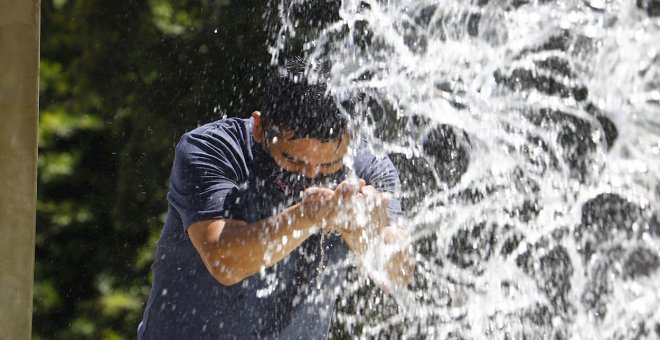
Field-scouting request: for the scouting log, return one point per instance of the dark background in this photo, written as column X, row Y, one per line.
column 120, row 82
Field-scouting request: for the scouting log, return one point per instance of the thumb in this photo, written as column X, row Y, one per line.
column 385, row 198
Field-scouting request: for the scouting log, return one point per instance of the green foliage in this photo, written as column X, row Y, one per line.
column 120, row 82
column 172, row 18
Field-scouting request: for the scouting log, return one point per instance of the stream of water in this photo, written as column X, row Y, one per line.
column 527, row 135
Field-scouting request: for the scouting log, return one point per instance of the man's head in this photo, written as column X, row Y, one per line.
column 301, row 126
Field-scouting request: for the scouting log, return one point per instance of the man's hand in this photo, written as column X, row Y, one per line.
column 359, row 213
column 376, row 207
column 368, row 222
column 316, row 204
column 345, row 207
column 366, row 218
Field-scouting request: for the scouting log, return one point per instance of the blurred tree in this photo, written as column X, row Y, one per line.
column 120, row 82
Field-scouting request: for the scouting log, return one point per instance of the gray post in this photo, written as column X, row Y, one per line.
column 19, row 82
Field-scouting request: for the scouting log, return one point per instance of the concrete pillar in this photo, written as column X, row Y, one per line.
column 19, row 82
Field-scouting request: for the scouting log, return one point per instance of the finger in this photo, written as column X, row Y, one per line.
column 321, row 191
column 384, row 198
column 369, row 190
column 349, row 185
column 311, row 191
column 316, row 194
column 328, row 194
column 373, row 195
column 350, row 190
column 346, row 190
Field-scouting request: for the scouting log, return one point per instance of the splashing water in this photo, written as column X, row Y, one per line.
column 527, row 135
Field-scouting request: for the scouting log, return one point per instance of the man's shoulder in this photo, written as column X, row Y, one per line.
column 223, row 126
column 369, row 163
column 226, row 142
column 365, row 155
column 235, row 132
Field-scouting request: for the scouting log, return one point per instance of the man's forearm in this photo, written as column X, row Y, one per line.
column 236, row 250
column 400, row 266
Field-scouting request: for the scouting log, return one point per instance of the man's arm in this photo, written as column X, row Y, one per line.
column 234, row 250
column 400, row 266
column 384, row 183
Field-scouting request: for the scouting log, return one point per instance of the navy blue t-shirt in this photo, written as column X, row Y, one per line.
column 220, row 172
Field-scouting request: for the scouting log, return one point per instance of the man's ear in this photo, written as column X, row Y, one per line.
column 257, row 130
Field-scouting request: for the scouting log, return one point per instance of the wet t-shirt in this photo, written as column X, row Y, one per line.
column 220, row 172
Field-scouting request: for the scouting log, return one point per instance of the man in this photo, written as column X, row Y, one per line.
column 262, row 214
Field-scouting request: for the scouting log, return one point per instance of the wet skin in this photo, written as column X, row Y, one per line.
column 233, row 250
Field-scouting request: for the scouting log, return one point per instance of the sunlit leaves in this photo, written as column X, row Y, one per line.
column 145, row 254
column 169, row 19
column 46, row 296
column 51, row 78
column 62, row 214
column 56, row 122
column 59, row 3
column 113, row 302
column 53, row 166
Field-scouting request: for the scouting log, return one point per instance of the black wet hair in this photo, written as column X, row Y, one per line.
column 295, row 102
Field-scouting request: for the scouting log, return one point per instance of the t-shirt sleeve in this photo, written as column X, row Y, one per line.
column 203, row 175
column 382, row 175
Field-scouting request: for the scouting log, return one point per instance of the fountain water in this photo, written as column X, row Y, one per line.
column 527, row 134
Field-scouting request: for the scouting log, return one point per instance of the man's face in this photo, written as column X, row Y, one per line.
column 308, row 156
